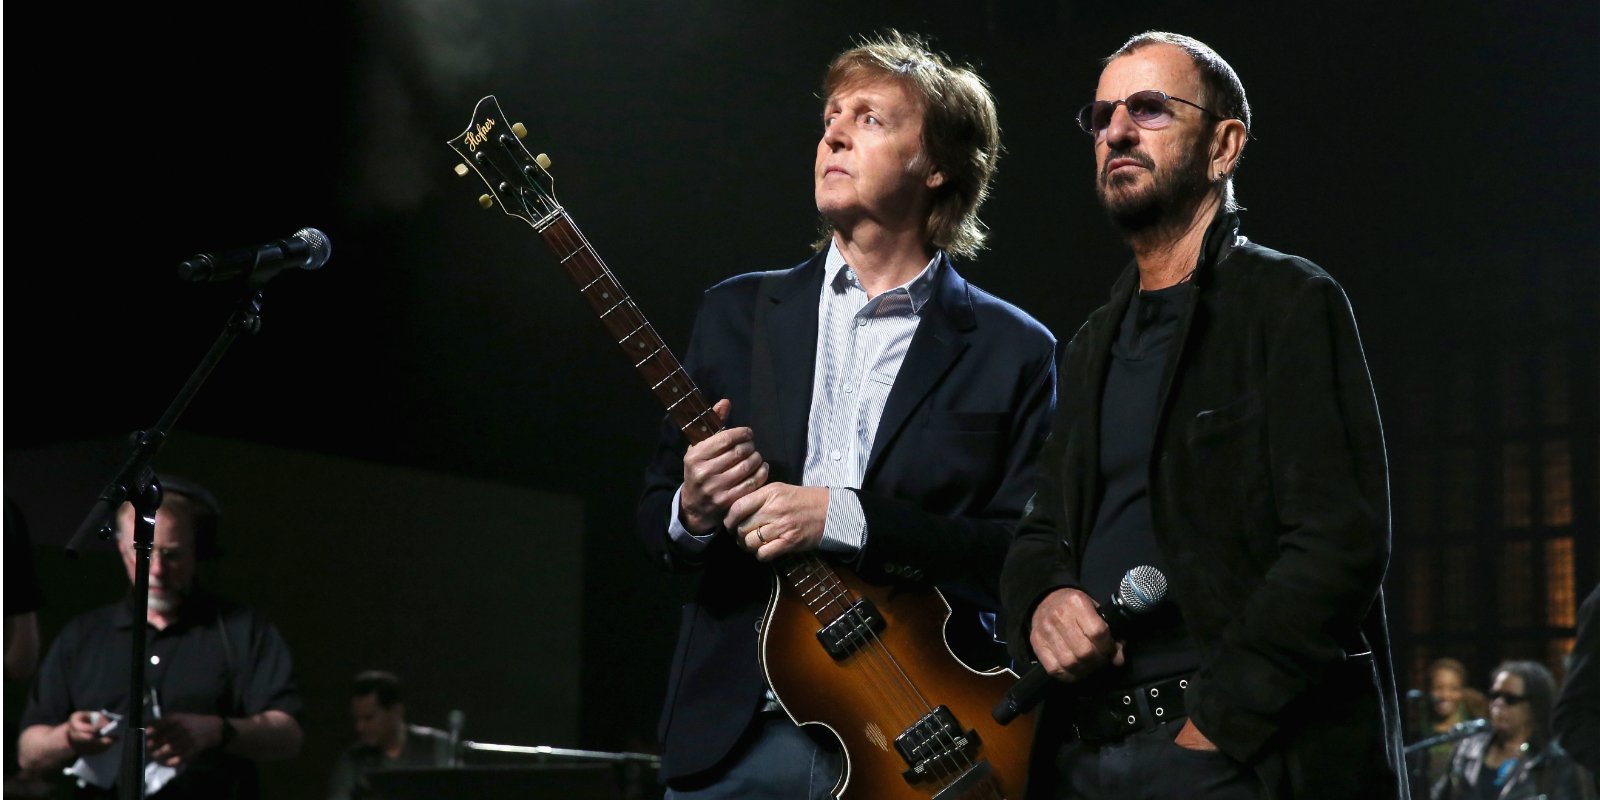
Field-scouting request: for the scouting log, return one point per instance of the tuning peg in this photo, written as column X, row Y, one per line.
column 462, row 169
column 486, row 201
column 520, row 130
column 542, row 160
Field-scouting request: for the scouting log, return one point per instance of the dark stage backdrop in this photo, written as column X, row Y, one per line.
column 1436, row 157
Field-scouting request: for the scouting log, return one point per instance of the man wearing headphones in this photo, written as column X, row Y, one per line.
column 220, row 688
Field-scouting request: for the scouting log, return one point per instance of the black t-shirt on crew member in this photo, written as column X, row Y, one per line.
column 1123, row 536
column 218, row 658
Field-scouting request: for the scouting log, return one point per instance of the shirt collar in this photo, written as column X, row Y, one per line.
column 840, row 277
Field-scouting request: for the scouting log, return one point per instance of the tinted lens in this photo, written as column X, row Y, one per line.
column 1095, row 116
column 1148, row 108
column 1507, row 698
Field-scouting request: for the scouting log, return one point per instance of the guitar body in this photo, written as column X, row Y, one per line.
column 863, row 699
column 868, row 662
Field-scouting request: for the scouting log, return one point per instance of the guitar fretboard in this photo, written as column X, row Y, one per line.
column 651, row 357
column 817, row 583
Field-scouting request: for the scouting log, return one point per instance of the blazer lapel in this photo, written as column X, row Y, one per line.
column 940, row 340
column 1085, row 460
column 787, row 326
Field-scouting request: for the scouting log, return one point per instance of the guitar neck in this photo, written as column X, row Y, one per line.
column 650, row 356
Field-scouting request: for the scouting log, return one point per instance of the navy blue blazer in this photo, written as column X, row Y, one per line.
column 950, row 473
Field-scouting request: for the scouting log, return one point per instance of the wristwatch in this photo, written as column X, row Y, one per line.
column 229, row 733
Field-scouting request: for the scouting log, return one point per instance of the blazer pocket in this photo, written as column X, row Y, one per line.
column 1224, row 419
column 968, row 421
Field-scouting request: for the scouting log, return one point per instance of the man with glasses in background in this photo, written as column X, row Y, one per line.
column 1217, row 421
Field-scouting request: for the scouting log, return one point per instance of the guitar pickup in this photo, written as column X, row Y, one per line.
column 851, row 630
column 936, row 745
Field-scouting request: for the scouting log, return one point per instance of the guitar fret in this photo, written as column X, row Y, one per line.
column 648, row 357
column 613, row 308
column 580, row 249
column 693, row 421
column 657, row 385
column 679, row 400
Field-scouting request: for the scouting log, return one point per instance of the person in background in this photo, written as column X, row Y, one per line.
column 384, row 740
column 23, row 599
column 222, row 673
column 1516, row 759
column 1451, row 702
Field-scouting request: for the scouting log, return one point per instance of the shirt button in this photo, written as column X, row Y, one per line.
column 848, row 389
column 834, row 454
column 861, row 322
column 155, row 659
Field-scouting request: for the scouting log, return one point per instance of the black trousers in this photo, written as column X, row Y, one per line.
column 1148, row 765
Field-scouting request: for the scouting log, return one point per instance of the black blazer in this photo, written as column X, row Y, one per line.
column 1270, row 499
column 950, row 472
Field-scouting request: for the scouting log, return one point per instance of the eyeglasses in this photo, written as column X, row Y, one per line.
column 1508, row 698
column 1148, row 109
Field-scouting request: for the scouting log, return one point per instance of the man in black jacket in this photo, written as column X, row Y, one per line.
column 1217, row 421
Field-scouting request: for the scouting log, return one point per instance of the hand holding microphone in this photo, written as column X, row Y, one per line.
column 1069, row 635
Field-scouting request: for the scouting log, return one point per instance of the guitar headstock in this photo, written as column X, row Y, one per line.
column 517, row 179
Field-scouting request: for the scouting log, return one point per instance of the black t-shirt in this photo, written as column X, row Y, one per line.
column 218, row 658
column 1123, row 536
column 424, row 747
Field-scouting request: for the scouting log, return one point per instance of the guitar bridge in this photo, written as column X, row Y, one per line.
column 936, row 745
column 850, row 631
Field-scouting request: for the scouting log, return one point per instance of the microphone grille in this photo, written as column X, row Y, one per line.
column 1143, row 588
column 321, row 248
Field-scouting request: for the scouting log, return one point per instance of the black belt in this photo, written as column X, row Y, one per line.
column 1112, row 715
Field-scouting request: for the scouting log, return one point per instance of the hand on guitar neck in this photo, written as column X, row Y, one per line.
column 725, row 482
column 717, row 472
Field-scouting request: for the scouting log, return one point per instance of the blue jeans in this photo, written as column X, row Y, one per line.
column 776, row 760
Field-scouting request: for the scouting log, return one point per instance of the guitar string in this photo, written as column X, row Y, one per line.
column 937, row 767
column 876, row 653
column 876, row 648
column 876, row 659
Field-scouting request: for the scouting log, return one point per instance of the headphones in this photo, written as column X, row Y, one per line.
column 206, row 512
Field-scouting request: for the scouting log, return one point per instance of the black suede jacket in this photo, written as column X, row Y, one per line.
column 1270, row 499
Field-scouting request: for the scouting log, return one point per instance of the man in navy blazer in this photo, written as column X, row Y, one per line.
column 880, row 410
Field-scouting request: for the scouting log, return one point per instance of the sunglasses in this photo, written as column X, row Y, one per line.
column 1148, row 109
column 1508, row 698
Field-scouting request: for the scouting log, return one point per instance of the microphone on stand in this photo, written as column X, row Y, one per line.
column 1142, row 589
column 457, row 720
column 1458, row 731
column 308, row 248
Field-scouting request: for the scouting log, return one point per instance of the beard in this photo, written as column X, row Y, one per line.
column 1167, row 202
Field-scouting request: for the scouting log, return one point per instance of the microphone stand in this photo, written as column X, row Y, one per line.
column 1458, row 731
column 136, row 482
column 631, row 764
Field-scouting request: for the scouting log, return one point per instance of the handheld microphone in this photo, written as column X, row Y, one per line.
column 308, row 248
column 1460, row 730
column 1142, row 589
